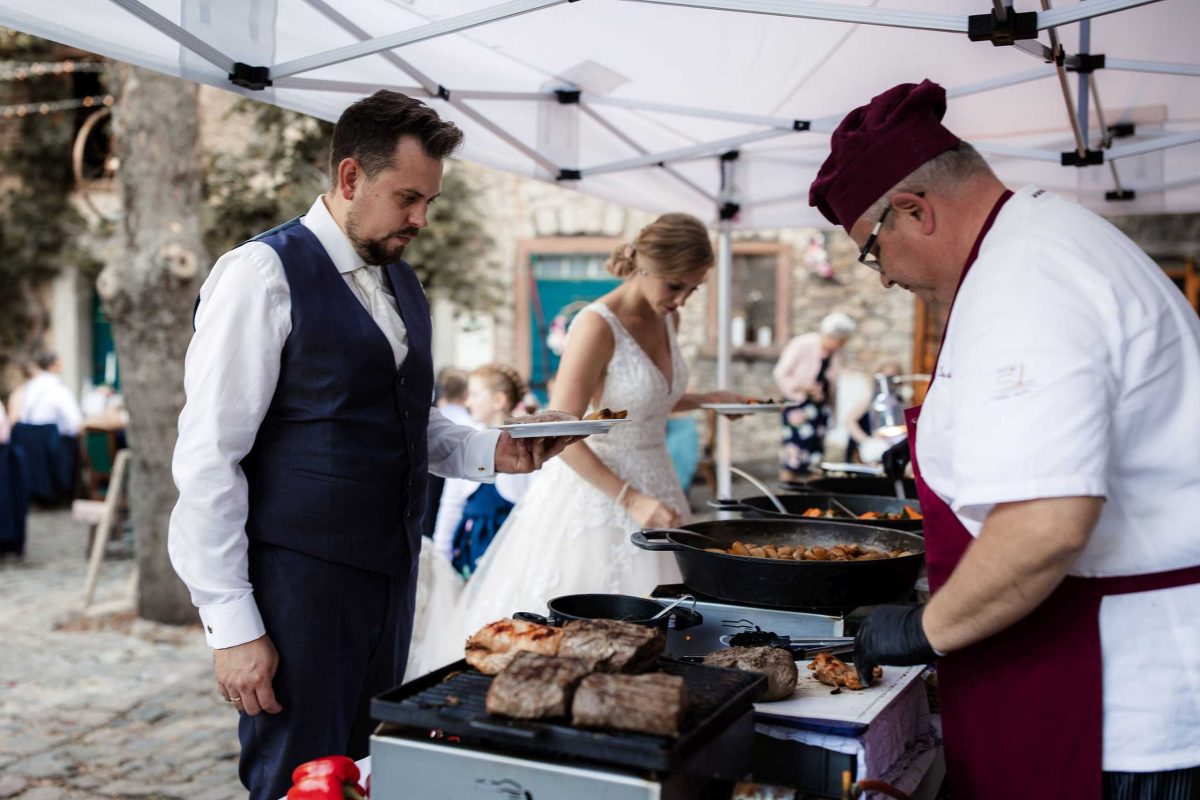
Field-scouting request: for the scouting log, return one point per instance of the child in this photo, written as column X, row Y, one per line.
column 471, row 513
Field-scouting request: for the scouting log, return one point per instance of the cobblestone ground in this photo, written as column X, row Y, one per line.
column 102, row 706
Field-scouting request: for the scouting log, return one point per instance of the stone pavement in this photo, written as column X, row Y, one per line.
column 103, row 706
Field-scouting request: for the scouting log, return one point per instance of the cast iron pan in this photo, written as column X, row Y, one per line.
column 792, row 584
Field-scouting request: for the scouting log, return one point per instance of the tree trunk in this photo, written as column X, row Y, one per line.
column 148, row 293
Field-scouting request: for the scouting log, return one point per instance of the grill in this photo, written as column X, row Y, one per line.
column 448, row 705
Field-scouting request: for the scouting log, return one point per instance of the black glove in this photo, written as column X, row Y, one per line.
column 891, row 635
column 895, row 459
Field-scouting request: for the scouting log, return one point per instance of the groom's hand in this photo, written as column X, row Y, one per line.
column 516, row 456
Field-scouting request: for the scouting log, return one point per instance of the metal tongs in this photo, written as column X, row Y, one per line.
column 801, row 646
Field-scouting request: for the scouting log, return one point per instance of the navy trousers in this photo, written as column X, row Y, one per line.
column 342, row 634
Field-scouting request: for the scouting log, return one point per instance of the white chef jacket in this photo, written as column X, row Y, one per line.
column 46, row 400
column 1071, row 367
column 230, row 374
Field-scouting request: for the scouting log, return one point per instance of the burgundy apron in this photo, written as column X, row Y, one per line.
column 1022, row 711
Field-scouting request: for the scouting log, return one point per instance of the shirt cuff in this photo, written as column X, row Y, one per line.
column 479, row 463
column 231, row 624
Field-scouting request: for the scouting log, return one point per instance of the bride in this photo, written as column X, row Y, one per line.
column 570, row 533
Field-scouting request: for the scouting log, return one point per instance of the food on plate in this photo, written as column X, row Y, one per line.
column 534, row 686
column 777, row 664
column 653, row 703
column 612, row 646
column 494, row 645
column 542, row 416
column 606, row 413
column 906, row 513
column 763, row 401
column 831, row 670
column 787, row 552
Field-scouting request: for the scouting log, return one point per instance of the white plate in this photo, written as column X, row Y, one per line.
column 567, row 427
column 744, row 408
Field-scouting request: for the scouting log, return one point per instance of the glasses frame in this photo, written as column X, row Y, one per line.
column 870, row 243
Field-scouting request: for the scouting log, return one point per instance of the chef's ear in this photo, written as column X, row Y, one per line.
column 914, row 207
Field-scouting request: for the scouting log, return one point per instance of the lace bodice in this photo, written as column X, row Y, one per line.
column 635, row 383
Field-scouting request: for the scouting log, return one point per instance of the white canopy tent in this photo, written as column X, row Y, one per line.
column 721, row 108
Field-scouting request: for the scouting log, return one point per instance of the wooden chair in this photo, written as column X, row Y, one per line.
column 103, row 516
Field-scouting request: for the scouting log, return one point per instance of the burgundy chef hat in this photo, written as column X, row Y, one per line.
column 878, row 145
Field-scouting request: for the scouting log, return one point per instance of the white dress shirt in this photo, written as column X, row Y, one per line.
column 1071, row 367
column 230, row 374
column 47, row 401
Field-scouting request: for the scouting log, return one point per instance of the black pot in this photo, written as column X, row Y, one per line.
column 797, row 504
column 622, row 607
column 792, row 584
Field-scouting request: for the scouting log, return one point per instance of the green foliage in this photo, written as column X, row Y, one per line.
column 284, row 167
column 39, row 229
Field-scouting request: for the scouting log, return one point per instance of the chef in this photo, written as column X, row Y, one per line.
column 1056, row 464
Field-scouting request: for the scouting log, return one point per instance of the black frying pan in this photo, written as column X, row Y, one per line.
column 625, row 608
column 797, row 504
column 877, row 487
column 792, row 584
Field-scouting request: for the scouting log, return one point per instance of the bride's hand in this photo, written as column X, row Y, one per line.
column 650, row 512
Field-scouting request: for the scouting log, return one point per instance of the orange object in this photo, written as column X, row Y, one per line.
column 812, row 512
column 869, row 515
column 911, row 513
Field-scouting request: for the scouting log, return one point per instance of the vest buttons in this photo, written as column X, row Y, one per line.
column 402, row 379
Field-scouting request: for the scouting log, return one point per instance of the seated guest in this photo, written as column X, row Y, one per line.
column 471, row 513
column 48, row 429
column 14, row 493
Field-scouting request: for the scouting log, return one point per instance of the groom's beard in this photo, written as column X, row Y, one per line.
column 376, row 252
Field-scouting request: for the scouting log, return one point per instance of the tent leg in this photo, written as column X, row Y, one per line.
column 724, row 353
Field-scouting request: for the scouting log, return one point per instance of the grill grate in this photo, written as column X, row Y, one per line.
column 451, row 701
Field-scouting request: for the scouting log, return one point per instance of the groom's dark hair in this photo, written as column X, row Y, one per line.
column 368, row 131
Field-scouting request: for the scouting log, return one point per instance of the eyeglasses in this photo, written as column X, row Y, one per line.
column 865, row 256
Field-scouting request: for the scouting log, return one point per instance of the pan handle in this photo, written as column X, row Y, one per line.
column 653, row 539
column 529, row 616
column 729, row 504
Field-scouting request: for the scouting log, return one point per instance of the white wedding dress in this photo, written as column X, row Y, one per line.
column 566, row 536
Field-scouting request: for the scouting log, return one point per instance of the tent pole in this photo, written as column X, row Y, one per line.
column 421, row 33
column 727, row 209
column 724, row 350
column 181, row 35
column 1085, row 47
column 704, row 148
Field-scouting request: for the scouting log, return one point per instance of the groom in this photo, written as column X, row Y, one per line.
column 305, row 444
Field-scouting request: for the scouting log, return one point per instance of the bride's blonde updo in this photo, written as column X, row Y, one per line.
column 672, row 246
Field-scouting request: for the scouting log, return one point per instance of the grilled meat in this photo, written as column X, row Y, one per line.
column 652, row 703
column 612, row 646
column 541, row 416
column 491, row 647
column 534, row 686
column 831, row 670
column 773, row 662
column 606, row 413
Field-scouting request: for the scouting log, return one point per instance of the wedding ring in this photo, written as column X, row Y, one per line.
column 234, row 700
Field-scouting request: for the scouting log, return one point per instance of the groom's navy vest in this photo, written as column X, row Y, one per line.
column 339, row 467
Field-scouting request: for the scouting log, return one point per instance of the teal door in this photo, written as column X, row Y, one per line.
column 563, row 284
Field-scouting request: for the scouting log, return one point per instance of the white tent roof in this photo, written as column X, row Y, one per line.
column 670, row 82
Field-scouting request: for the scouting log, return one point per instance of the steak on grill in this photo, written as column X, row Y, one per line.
column 491, row 647
column 773, row 662
column 612, row 646
column 651, row 703
column 534, row 686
